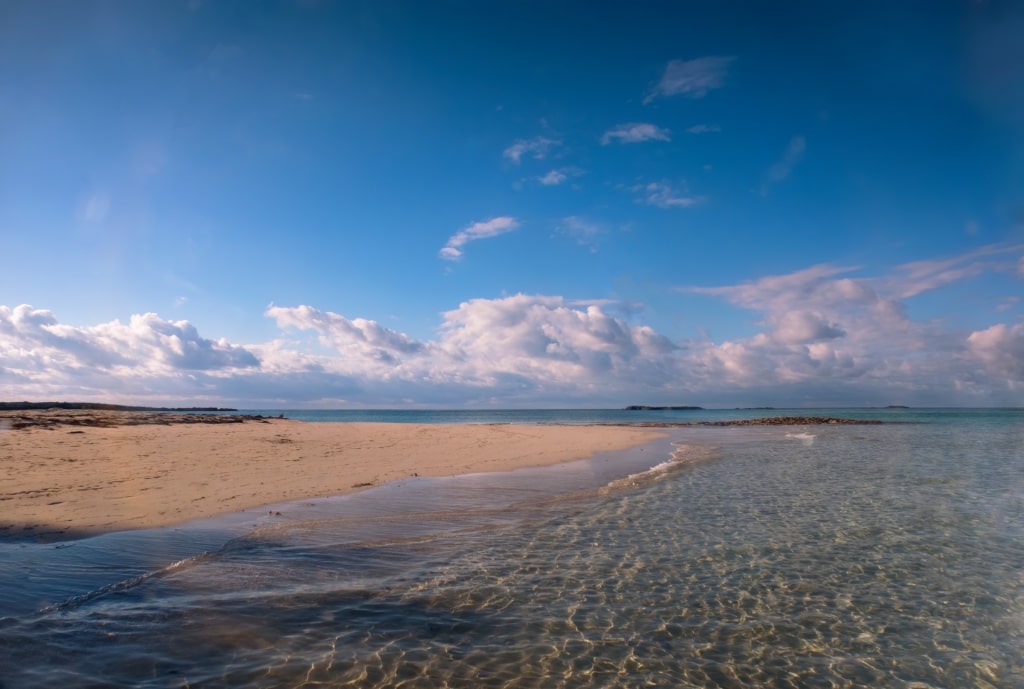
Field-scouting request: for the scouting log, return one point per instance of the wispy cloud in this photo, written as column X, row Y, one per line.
column 635, row 132
column 704, row 129
column 452, row 251
column 584, row 232
column 665, row 195
column 95, row 208
column 553, row 178
column 794, row 152
column 538, row 148
column 693, row 78
column 916, row 277
column 559, row 176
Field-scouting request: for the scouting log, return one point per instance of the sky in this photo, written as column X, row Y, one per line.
column 512, row 204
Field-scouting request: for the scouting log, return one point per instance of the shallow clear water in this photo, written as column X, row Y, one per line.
column 806, row 557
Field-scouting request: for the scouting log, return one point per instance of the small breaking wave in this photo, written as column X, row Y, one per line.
column 682, row 456
column 805, row 438
column 126, row 584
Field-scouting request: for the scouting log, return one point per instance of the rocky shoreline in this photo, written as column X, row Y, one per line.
column 766, row 421
column 97, row 418
column 56, row 418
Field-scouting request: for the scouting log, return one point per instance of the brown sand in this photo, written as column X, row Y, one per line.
column 63, row 481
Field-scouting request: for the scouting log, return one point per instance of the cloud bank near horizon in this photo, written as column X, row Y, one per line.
column 824, row 337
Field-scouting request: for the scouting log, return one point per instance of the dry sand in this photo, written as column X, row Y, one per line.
column 68, row 476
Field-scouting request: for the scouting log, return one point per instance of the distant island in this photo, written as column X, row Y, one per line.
column 644, row 407
column 91, row 406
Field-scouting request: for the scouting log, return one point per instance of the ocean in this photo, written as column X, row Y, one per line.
column 807, row 556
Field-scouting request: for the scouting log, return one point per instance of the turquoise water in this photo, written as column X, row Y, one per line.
column 811, row 556
column 577, row 416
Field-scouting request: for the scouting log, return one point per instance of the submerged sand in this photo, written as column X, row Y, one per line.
column 65, row 475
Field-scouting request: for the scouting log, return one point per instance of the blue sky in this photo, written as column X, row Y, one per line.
column 512, row 204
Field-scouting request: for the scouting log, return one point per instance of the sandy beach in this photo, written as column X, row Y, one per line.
column 75, row 474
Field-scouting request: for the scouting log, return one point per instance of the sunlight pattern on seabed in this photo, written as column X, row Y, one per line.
column 836, row 557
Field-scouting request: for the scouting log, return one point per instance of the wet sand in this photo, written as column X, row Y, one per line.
column 68, row 474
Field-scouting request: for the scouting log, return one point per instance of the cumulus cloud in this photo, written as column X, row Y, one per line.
column 821, row 326
column 820, row 303
column 359, row 336
column 145, row 353
column 1001, row 348
column 146, row 344
column 534, row 346
column 804, row 327
column 526, row 348
column 538, row 147
column 551, row 341
column 635, row 132
column 452, row 251
column 693, row 78
column 824, row 334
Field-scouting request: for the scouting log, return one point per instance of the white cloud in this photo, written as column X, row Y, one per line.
column 145, row 345
column 524, row 349
column 820, row 327
column 452, row 251
column 131, row 359
column 693, row 78
column 1001, row 348
column 519, row 347
column 664, row 195
column 821, row 335
column 360, row 336
column 553, row 178
column 538, row 147
column 549, row 341
column 635, row 132
column 792, row 155
column 559, row 176
column 804, row 327
column 704, row 129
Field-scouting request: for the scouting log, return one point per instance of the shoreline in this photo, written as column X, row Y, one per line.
column 71, row 474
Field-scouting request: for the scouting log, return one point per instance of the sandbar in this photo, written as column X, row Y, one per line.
column 61, row 480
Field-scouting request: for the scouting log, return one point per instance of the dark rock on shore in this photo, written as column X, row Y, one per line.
column 644, row 407
column 96, row 406
column 767, row 421
column 98, row 418
column 793, row 421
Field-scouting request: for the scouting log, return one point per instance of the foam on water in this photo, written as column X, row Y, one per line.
column 682, row 455
column 805, row 438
